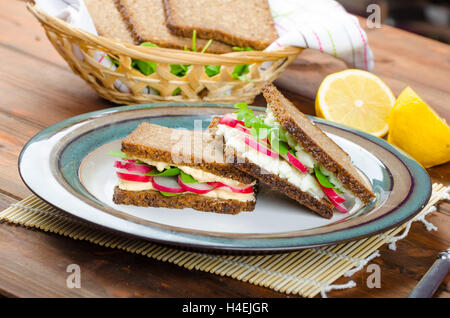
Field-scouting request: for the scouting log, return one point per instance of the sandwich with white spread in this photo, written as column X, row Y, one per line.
column 177, row 168
column 284, row 149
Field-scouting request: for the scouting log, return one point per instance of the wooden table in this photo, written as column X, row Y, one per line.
column 38, row 89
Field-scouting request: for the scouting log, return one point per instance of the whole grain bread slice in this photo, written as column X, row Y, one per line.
column 151, row 198
column 321, row 206
column 240, row 23
column 316, row 142
column 181, row 147
column 108, row 21
column 147, row 22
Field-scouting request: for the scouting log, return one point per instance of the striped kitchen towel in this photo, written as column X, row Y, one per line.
column 322, row 25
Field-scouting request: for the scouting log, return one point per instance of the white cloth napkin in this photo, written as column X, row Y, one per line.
column 322, row 25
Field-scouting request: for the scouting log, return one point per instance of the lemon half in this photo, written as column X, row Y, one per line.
column 356, row 98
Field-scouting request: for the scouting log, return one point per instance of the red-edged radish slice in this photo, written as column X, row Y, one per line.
column 199, row 188
column 334, row 198
column 296, row 163
column 249, row 189
column 339, row 207
column 134, row 167
column 230, row 121
column 331, row 193
column 133, row 177
column 259, row 147
column 167, row 184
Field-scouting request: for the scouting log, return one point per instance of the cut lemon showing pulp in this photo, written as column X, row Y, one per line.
column 357, row 99
column 418, row 130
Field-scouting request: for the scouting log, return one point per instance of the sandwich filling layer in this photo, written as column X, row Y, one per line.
column 281, row 168
column 141, row 174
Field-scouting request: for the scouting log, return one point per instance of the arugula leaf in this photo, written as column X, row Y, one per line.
column 323, row 180
column 118, row 153
column 169, row 194
column 115, row 62
column 212, row 70
column 240, row 71
column 176, row 91
column 278, row 145
column 194, row 36
column 187, row 178
column 179, row 69
column 206, row 46
column 166, row 173
column 237, row 48
column 150, row 44
column 145, row 67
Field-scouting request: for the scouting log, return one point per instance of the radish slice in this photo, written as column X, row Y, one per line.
column 199, row 188
column 296, row 163
column 134, row 167
column 331, row 193
column 259, row 147
column 133, row 177
column 334, row 198
column 232, row 189
column 230, row 121
column 167, row 184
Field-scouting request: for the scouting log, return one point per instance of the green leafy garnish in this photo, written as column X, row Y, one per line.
column 179, row 69
column 212, row 70
column 206, row 46
column 260, row 130
column 278, row 145
column 187, row 178
column 118, row 153
column 237, row 48
column 240, row 72
column 150, row 44
column 166, row 173
column 145, row 67
column 169, row 194
column 194, row 36
column 323, row 180
column 176, row 91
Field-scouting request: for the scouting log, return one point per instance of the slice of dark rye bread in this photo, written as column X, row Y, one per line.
column 146, row 21
column 316, row 142
column 321, row 207
column 235, row 22
column 181, row 147
column 108, row 21
column 198, row 202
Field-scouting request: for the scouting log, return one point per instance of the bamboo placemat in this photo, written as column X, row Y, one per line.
column 307, row 272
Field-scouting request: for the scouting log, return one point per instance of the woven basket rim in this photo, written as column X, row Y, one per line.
column 157, row 54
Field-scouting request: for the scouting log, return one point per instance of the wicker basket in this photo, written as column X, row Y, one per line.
column 126, row 85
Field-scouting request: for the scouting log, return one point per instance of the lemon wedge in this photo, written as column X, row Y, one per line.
column 418, row 130
column 356, row 98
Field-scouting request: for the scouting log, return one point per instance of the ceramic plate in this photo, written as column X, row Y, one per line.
column 67, row 165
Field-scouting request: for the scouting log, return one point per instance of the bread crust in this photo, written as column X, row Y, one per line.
column 150, row 198
column 176, row 21
column 155, row 30
column 316, row 142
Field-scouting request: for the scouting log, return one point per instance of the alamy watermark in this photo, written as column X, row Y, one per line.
column 373, row 21
column 74, row 279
